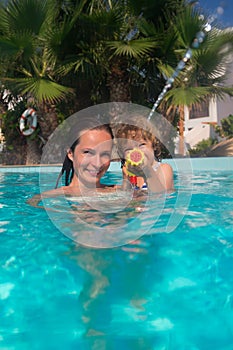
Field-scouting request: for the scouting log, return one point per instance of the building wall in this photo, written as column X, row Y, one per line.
column 198, row 129
column 225, row 107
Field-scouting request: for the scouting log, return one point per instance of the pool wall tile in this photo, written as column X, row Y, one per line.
column 193, row 164
column 178, row 164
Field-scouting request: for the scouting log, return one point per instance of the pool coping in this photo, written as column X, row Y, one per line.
column 178, row 164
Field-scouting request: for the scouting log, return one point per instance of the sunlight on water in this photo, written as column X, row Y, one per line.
column 161, row 291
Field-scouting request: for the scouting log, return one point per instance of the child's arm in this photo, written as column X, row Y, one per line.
column 160, row 179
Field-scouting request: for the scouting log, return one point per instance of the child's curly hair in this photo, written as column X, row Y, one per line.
column 132, row 127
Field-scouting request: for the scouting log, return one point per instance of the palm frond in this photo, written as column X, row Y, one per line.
column 221, row 91
column 134, row 48
column 26, row 15
column 41, row 89
column 187, row 95
column 18, row 44
column 187, row 25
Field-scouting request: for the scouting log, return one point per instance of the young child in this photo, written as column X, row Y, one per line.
column 137, row 132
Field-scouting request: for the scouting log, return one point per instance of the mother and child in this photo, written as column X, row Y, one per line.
column 90, row 155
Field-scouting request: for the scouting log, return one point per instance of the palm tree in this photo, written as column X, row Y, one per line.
column 118, row 50
column 43, row 45
column 204, row 74
column 119, row 39
column 27, row 67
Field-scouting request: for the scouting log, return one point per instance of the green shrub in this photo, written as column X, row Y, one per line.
column 226, row 128
column 202, row 147
column 11, row 130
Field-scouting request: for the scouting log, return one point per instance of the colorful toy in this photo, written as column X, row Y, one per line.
column 135, row 157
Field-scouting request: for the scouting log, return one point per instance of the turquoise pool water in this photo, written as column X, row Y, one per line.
column 164, row 291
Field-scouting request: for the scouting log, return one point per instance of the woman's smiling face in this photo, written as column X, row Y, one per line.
column 91, row 157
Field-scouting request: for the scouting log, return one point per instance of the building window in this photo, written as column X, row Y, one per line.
column 199, row 110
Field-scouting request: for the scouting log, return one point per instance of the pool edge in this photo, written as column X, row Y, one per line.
column 178, row 164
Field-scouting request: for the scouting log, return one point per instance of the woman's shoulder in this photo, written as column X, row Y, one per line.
column 55, row 192
column 61, row 191
column 37, row 198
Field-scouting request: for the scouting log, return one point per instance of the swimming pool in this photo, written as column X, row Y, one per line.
column 163, row 291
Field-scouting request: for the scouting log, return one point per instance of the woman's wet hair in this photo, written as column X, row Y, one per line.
column 84, row 124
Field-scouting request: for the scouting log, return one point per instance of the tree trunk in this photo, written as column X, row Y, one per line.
column 47, row 123
column 181, row 131
column 118, row 83
column 47, row 119
column 33, row 151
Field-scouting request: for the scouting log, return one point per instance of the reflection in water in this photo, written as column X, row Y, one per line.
column 100, row 229
column 115, row 291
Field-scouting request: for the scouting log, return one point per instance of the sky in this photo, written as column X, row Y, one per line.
column 221, row 10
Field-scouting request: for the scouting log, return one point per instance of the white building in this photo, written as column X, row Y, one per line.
column 197, row 124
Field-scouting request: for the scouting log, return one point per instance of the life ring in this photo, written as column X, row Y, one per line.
column 30, row 116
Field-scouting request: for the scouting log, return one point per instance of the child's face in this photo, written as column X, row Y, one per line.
column 136, row 140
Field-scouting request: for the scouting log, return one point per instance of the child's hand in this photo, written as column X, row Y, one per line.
column 135, row 170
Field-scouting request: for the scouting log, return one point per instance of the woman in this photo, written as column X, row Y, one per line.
column 86, row 161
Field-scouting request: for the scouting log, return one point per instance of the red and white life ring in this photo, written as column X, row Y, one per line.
column 28, row 119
